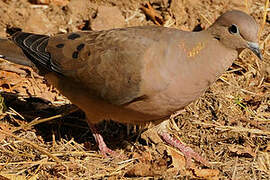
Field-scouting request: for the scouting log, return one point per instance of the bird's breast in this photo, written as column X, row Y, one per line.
column 177, row 77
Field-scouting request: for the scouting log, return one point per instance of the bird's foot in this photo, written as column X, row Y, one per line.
column 105, row 151
column 187, row 151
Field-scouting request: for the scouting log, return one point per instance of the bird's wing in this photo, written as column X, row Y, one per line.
column 109, row 63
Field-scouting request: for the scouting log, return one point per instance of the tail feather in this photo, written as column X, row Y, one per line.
column 11, row 52
column 28, row 49
column 34, row 47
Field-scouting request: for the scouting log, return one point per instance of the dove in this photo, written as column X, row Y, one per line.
column 135, row 75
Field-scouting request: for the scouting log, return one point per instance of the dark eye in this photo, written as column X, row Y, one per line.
column 233, row 29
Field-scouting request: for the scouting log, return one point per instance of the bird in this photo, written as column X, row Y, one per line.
column 135, row 75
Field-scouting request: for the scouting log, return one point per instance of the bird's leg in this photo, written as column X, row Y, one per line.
column 101, row 144
column 188, row 152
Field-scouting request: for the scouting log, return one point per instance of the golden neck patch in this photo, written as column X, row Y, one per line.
column 193, row 51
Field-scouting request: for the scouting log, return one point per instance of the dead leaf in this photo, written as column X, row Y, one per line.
column 178, row 162
column 141, row 169
column 9, row 81
column 7, row 176
column 152, row 14
column 151, row 135
column 245, row 151
column 55, row 2
column 211, row 174
column 147, row 165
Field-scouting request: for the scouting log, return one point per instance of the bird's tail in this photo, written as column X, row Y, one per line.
column 11, row 52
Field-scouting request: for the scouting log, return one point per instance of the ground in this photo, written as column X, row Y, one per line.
column 43, row 136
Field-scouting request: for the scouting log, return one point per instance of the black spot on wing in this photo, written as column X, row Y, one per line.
column 80, row 47
column 73, row 36
column 75, row 54
column 60, row 45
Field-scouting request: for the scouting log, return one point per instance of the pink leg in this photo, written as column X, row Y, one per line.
column 101, row 144
column 187, row 151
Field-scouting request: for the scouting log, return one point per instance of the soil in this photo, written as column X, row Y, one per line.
column 44, row 136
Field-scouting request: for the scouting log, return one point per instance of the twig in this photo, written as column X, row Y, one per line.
column 264, row 17
column 42, row 150
column 38, row 121
column 235, row 129
column 16, row 113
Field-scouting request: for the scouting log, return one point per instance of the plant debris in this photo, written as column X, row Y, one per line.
column 43, row 136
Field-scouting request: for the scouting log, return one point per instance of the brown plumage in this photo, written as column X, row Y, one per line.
column 138, row 74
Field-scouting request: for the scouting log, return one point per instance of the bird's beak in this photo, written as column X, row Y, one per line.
column 255, row 48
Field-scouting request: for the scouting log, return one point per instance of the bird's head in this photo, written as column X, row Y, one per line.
column 237, row 30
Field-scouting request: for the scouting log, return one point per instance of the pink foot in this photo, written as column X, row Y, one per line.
column 187, row 151
column 101, row 144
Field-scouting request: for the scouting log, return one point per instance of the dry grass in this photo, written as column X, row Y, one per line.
column 229, row 125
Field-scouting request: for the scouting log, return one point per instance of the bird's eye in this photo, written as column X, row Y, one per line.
column 233, row 29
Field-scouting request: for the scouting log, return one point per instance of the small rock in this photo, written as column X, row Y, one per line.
column 80, row 7
column 108, row 18
column 80, row 12
column 39, row 23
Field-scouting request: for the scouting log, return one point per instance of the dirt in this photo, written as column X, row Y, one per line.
column 229, row 125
